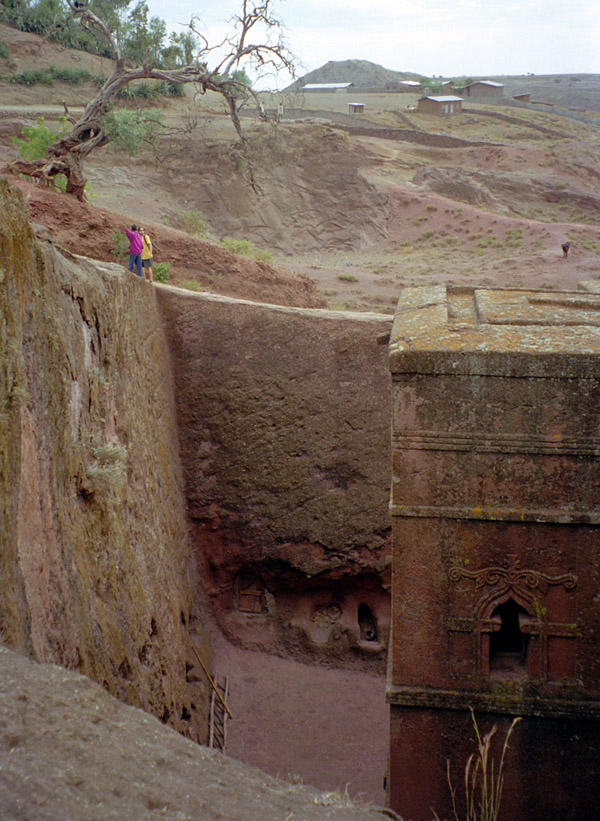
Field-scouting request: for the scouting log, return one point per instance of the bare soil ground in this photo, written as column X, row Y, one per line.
column 359, row 215
column 87, row 231
column 71, row 751
column 306, row 723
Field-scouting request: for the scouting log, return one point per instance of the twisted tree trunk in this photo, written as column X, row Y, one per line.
column 67, row 154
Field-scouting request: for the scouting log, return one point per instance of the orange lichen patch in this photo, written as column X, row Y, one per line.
column 442, row 322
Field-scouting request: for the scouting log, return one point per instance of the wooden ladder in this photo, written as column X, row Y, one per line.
column 218, row 715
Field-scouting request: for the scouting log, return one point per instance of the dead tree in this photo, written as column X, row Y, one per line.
column 87, row 133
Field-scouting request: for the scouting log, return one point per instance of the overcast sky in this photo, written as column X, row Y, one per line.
column 429, row 37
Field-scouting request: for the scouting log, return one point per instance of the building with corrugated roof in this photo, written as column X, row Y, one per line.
column 484, row 90
column 327, row 87
column 442, row 105
column 409, row 85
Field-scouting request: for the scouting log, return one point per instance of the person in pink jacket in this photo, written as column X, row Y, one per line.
column 136, row 246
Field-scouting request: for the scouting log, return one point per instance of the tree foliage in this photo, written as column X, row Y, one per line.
column 135, row 44
column 38, row 139
column 131, row 130
column 431, row 86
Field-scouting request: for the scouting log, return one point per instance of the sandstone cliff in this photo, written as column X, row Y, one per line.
column 283, row 420
column 95, row 563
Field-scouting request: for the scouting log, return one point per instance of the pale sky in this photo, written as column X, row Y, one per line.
column 428, row 37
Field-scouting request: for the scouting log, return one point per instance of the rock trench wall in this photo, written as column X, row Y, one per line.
column 281, row 425
column 96, row 573
column 284, row 430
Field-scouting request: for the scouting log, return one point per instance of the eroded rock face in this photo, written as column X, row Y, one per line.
column 87, row 757
column 95, row 563
column 504, row 193
column 284, row 423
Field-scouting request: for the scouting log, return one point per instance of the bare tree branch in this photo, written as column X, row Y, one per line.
column 88, row 132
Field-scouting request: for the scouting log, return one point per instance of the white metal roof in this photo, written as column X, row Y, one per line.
column 313, row 86
column 409, row 83
column 443, row 99
column 487, row 83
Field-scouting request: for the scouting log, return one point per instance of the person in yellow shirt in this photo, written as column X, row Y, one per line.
column 147, row 263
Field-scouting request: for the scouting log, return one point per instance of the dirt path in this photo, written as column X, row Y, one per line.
column 317, row 725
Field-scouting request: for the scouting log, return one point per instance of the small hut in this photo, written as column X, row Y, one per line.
column 487, row 90
column 409, row 85
column 441, row 105
column 335, row 88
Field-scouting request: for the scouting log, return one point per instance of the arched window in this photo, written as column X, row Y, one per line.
column 366, row 623
column 508, row 642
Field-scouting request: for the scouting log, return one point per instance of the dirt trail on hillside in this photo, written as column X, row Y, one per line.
column 87, row 231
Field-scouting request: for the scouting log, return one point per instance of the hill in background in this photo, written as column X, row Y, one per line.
column 360, row 72
column 579, row 92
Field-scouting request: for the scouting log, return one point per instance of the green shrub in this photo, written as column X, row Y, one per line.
column 245, row 248
column 118, row 245
column 38, row 139
column 32, row 77
column 71, row 75
column 3, row 50
column 46, row 76
column 191, row 285
column 128, row 130
column 145, row 91
column 161, row 271
column 192, row 222
column 166, row 88
column 347, row 277
column 263, row 256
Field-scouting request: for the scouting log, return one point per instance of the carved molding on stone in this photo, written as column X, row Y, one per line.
column 496, row 514
column 511, row 575
column 474, row 441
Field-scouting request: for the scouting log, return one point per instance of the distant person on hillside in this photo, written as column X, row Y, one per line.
column 147, row 251
column 136, row 246
column 565, row 249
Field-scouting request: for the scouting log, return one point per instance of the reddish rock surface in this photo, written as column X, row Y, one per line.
column 284, row 427
column 70, row 751
column 321, row 725
column 95, row 561
column 496, row 530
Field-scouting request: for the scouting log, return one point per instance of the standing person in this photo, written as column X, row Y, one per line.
column 147, row 251
column 136, row 246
